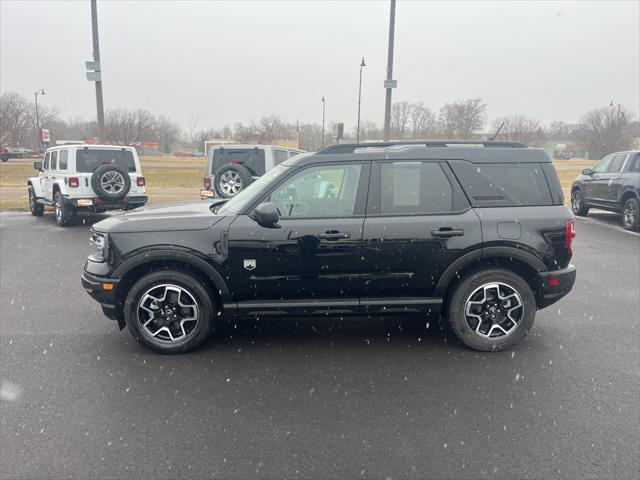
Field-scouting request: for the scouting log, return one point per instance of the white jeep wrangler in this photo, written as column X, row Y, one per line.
column 94, row 178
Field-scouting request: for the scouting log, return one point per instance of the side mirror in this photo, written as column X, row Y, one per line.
column 587, row 171
column 266, row 214
column 37, row 165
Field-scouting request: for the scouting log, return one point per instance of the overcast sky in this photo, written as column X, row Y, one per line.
column 225, row 62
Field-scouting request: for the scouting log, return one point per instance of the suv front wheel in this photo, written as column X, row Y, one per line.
column 491, row 310
column 169, row 311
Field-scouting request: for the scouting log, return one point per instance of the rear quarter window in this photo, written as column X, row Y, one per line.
column 503, row 184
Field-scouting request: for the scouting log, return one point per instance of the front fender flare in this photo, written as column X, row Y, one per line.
column 182, row 256
column 35, row 184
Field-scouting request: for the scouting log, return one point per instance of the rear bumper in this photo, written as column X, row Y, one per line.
column 555, row 285
column 98, row 205
column 98, row 288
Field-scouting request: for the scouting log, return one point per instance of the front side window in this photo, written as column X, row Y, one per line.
column 62, row 159
column 603, row 165
column 88, row 159
column 635, row 166
column 414, row 188
column 54, row 160
column 616, row 164
column 45, row 165
column 319, row 192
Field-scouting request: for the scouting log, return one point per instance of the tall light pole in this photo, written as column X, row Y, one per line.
column 362, row 65
column 38, row 132
column 96, row 58
column 323, row 105
column 388, row 83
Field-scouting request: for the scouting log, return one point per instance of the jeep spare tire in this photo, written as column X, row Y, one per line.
column 230, row 179
column 111, row 182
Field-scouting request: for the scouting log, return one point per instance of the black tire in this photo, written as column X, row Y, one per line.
column 224, row 177
column 577, row 203
column 37, row 209
column 62, row 211
column 118, row 188
column 631, row 214
column 194, row 335
column 460, row 324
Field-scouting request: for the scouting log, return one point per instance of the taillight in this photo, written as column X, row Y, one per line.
column 207, row 183
column 74, row 181
column 140, row 181
column 569, row 233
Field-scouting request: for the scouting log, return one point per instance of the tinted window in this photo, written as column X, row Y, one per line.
column 616, row 164
column 54, row 160
column 45, row 165
column 88, row 159
column 409, row 188
column 635, row 166
column 62, row 160
column 326, row 191
column 503, row 184
column 279, row 156
column 251, row 158
column 603, row 165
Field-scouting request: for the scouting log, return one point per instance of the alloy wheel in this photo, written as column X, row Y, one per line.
column 230, row 182
column 494, row 310
column 576, row 201
column 168, row 313
column 629, row 215
column 112, row 182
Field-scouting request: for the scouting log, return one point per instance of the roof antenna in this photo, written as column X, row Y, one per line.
column 490, row 139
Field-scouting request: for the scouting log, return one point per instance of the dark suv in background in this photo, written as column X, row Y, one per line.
column 477, row 233
column 613, row 184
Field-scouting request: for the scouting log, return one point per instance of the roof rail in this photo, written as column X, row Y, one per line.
column 345, row 148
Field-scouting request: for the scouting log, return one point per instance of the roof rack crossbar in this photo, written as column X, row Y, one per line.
column 346, row 148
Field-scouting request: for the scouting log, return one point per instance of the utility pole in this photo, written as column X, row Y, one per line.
column 323, row 105
column 38, row 132
column 388, row 83
column 362, row 65
column 96, row 58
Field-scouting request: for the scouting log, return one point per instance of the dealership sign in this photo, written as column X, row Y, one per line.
column 45, row 135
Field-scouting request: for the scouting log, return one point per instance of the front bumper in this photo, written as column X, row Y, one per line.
column 98, row 205
column 104, row 291
column 555, row 285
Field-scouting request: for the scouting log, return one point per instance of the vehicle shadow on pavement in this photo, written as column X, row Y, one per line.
column 78, row 220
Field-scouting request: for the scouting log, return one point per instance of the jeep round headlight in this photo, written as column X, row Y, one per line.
column 97, row 247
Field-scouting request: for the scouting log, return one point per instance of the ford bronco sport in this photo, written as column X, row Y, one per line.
column 475, row 233
column 86, row 178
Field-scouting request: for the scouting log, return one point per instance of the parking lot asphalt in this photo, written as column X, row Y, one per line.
column 315, row 398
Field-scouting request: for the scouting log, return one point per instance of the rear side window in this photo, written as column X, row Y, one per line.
column 251, row 158
column 88, row 159
column 413, row 188
column 62, row 160
column 503, row 184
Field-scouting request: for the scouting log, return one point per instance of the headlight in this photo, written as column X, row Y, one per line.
column 98, row 247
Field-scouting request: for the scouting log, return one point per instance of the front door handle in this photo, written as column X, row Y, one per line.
column 333, row 235
column 446, row 232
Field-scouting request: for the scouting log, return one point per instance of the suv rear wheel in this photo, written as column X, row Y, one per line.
column 631, row 214
column 492, row 309
column 169, row 311
column 62, row 211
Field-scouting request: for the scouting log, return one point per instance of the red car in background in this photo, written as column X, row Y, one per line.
column 183, row 154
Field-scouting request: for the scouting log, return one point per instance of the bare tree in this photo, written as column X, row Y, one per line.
column 460, row 120
column 400, row 113
column 423, row 121
column 127, row 127
column 605, row 130
column 518, row 128
column 18, row 120
column 560, row 130
column 166, row 133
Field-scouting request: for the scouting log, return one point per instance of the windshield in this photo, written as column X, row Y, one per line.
column 246, row 196
column 88, row 159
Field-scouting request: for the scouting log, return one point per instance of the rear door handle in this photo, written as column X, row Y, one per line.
column 447, row 232
column 333, row 235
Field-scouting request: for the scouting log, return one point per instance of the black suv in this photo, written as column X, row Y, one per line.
column 474, row 232
column 612, row 184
